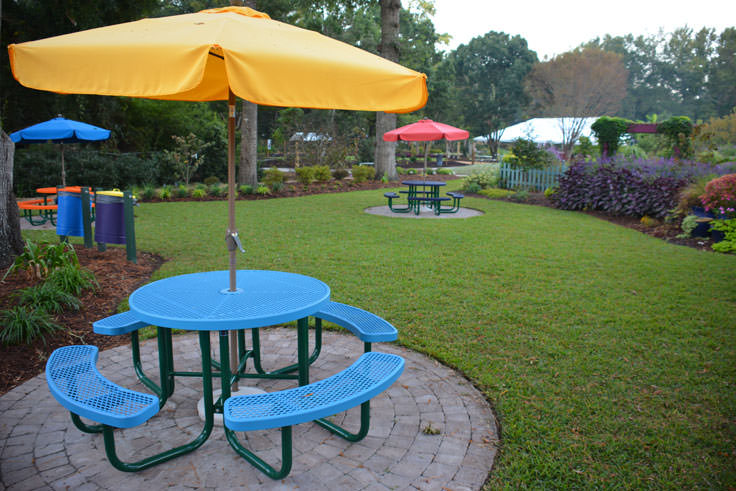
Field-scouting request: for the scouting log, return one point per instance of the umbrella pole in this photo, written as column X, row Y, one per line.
column 63, row 171
column 232, row 232
column 426, row 153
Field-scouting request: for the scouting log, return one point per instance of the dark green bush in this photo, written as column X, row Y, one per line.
column 339, row 173
column 528, row 155
column 209, row 181
column 73, row 279
column 362, row 173
column 22, row 324
column 609, row 131
column 273, row 176
column 322, row 173
column 305, row 175
column 49, row 297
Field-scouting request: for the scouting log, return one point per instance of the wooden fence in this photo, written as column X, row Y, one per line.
column 529, row 179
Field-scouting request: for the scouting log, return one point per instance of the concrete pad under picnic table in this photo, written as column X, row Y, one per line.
column 430, row 430
column 423, row 213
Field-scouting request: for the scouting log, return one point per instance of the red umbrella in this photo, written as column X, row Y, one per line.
column 425, row 130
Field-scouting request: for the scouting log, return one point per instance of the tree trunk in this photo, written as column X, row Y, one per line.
column 248, row 168
column 385, row 157
column 11, row 243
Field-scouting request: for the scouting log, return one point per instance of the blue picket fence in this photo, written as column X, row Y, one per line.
column 530, row 179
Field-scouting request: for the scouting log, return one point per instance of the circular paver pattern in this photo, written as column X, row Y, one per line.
column 424, row 213
column 430, row 430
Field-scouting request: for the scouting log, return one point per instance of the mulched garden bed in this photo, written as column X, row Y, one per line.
column 118, row 278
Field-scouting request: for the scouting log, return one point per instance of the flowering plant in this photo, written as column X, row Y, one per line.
column 720, row 195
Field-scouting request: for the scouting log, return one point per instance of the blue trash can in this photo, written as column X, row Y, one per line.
column 69, row 214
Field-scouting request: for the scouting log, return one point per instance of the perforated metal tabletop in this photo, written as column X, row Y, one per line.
column 202, row 302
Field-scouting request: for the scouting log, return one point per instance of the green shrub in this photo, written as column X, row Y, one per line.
column 73, row 279
column 216, row 190
column 484, row 178
column 550, row 191
column 40, row 259
column 520, row 196
column 22, row 324
column 245, row 189
column 305, row 175
column 496, row 192
column 263, row 190
column 199, row 193
column 363, row 173
column 209, row 181
column 273, row 176
column 472, row 187
column 688, row 225
column 400, row 171
column 165, row 193
column 728, row 227
column 182, row 191
column 340, row 173
column 322, row 173
column 148, row 193
column 49, row 297
column 446, row 172
column 526, row 154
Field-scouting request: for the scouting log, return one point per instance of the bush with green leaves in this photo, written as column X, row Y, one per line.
column 446, row 172
column 728, row 227
column 40, row 259
column 216, row 190
column 73, row 279
column 363, row 173
column 148, row 193
column 272, row 177
column 49, row 297
column 199, row 193
column 22, row 324
column 340, row 173
column 482, row 178
column 209, row 181
column 182, row 191
column 305, row 175
column 165, row 193
column 496, row 192
column 526, row 154
column 688, row 225
column 263, row 190
column 608, row 131
column 678, row 130
column 322, row 173
column 245, row 189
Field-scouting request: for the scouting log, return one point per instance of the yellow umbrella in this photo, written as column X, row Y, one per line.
column 218, row 54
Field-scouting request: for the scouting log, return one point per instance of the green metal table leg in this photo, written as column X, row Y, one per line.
column 260, row 464
column 302, row 327
column 138, row 367
column 365, row 424
column 108, row 431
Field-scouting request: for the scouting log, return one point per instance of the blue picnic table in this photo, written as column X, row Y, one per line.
column 201, row 302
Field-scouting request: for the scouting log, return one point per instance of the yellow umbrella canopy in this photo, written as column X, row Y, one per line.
column 216, row 54
column 201, row 56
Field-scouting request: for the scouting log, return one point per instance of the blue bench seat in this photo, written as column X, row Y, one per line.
column 367, row 326
column 370, row 375
column 118, row 324
column 76, row 384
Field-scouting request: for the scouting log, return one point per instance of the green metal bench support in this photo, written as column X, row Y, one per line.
column 76, row 384
column 394, row 208
column 370, row 375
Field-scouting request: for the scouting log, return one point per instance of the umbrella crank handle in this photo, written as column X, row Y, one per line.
column 233, row 242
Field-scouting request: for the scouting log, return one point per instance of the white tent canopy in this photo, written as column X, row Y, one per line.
column 540, row 130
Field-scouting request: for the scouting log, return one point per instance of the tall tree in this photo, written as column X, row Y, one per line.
column 489, row 75
column 11, row 243
column 385, row 156
column 587, row 82
column 248, row 168
column 722, row 79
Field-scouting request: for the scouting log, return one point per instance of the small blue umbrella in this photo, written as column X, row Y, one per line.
column 60, row 130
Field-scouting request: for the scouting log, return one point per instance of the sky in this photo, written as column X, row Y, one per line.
column 552, row 27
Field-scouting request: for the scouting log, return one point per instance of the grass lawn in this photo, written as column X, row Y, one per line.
column 608, row 355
